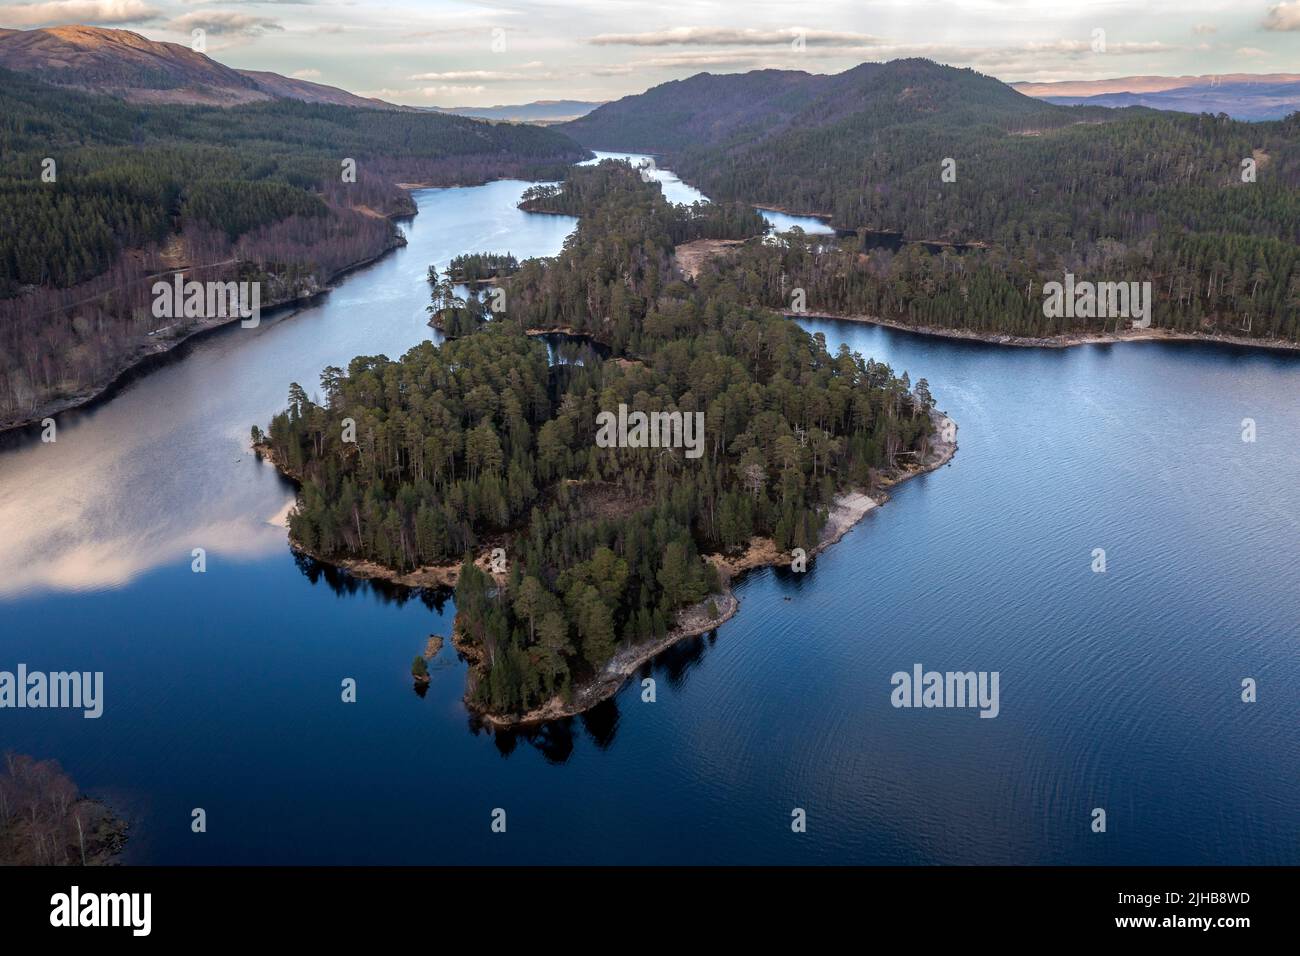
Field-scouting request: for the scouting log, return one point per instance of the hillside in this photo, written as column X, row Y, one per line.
column 867, row 147
column 304, row 91
column 705, row 108
column 840, row 145
column 128, row 66
column 254, row 192
column 1036, row 190
column 745, row 109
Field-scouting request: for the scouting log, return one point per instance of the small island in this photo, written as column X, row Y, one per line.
column 481, row 267
column 477, row 464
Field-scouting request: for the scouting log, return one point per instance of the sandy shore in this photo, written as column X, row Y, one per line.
column 1057, row 341
column 848, row 508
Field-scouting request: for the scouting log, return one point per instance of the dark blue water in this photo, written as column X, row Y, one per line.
column 1118, row 690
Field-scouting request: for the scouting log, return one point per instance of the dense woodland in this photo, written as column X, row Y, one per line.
column 480, row 441
column 257, row 191
column 1244, row 287
column 1109, row 195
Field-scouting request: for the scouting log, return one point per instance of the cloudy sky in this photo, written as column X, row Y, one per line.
column 466, row 52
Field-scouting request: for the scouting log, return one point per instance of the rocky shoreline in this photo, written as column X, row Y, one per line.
column 153, row 353
column 1057, row 341
column 691, row 622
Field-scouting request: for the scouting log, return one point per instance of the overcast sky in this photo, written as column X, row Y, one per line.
column 467, row 53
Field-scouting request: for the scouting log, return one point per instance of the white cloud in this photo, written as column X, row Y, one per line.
column 451, row 90
column 305, row 74
column 219, row 22
column 1251, row 52
column 480, row 75
column 77, row 11
column 425, row 92
column 703, row 60
column 1284, row 17
column 726, row 36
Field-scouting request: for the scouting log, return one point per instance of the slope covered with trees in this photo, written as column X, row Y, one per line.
column 1247, row 288
column 1205, row 208
column 97, row 195
column 480, row 440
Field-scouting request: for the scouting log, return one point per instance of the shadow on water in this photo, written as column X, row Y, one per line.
column 565, row 348
column 555, row 739
column 675, row 663
column 344, row 583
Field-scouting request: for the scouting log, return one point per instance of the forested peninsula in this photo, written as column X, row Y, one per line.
column 607, row 553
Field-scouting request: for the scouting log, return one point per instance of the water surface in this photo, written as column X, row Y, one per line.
column 1118, row 690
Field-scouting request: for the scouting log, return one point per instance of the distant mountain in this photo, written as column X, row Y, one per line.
column 933, row 153
column 1242, row 101
column 847, row 145
column 743, row 109
column 542, row 111
column 1148, row 84
column 130, row 67
column 1241, row 95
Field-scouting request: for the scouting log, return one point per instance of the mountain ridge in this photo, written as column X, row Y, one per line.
column 1146, row 83
column 1245, row 96
column 735, row 108
column 131, row 67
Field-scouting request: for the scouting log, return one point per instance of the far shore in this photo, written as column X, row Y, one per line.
column 823, row 216
column 156, row 352
column 1056, row 341
column 523, row 207
column 849, row 507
